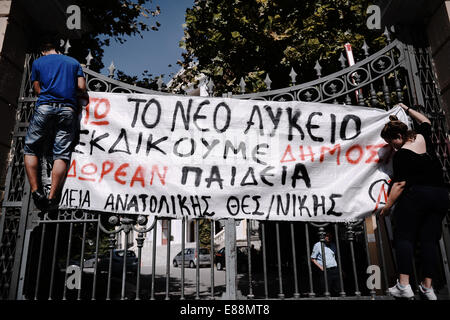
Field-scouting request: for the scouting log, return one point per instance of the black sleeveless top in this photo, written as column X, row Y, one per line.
column 419, row 169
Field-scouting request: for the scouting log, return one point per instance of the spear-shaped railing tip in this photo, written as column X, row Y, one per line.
column 210, row 86
column 342, row 61
column 387, row 34
column 293, row 75
column 111, row 69
column 159, row 82
column 242, row 85
column 365, row 47
column 89, row 59
column 66, row 47
column 267, row 81
column 318, row 69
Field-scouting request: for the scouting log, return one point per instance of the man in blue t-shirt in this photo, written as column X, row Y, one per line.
column 58, row 80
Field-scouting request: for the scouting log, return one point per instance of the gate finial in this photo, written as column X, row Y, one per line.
column 210, row 87
column 89, row 59
column 318, row 68
column 267, row 81
column 159, row 82
column 66, row 47
column 387, row 34
column 111, row 69
column 365, row 47
column 342, row 61
column 242, row 85
column 293, row 75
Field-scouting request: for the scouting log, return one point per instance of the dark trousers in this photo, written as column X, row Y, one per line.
column 418, row 216
column 333, row 281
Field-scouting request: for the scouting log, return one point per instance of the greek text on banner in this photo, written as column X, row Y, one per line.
column 177, row 156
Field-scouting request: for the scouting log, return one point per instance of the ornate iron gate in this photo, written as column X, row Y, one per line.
column 72, row 257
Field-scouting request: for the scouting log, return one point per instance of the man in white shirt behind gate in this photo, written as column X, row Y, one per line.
column 330, row 262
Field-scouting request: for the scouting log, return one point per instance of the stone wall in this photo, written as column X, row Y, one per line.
column 10, row 78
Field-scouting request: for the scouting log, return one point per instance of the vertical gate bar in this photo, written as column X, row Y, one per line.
column 263, row 234
column 197, row 255
column 352, row 252
column 41, row 249
column 183, row 244
column 21, row 246
column 445, row 263
column 387, row 96
column 360, row 96
column 445, row 248
column 308, row 258
column 52, row 274
column 338, row 249
column 140, row 243
column 280, row 276
column 97, row 240
column 321, row 232
column 230, row 258
column 388, row 225
column 383, row 260
column 416, row 279
column 152, row 297
column 69, row 247
column 124, row 265
column 413, row 74
column 169, row 230
column 111, row 248
column 23, row 266
column 366, row 242
column 82, row 256
column 249, row 259
column 294, row 261
column 212, row 257
column 405, row 80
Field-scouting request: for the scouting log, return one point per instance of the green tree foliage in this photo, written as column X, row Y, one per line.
column 204, row 230
column 103, row 21
column 230, row 39
column 146, row 80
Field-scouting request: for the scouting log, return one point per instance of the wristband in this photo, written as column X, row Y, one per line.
column 407, row 110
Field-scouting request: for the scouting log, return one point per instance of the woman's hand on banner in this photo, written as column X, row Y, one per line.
column 385, row 211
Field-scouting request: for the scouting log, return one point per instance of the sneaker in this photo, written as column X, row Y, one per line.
column 427, row 293
column 40, row 200
column 53, row 206
column 398, row 292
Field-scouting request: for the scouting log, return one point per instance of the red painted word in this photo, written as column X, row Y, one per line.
column 99, row 107
column 353, row 155
column 119, row 173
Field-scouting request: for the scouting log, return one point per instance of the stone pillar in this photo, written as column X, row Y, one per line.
column 13, row 44
column 438, row 32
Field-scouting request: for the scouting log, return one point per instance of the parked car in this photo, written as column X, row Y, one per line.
column 242, row 263
column 191, row 259
column 90, row 261
column 117, row 262
column 242, row 259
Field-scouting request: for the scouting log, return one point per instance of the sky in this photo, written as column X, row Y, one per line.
column 157, row 49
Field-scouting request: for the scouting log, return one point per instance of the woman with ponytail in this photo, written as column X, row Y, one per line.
column 420, row 197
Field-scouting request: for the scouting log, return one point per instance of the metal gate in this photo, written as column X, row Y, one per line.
column 92, row 255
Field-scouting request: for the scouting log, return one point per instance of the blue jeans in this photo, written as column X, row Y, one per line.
column 52, row 125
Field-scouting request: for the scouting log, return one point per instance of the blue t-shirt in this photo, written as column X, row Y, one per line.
column 58, row 77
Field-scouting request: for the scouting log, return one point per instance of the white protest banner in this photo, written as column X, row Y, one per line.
column 175, row 156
